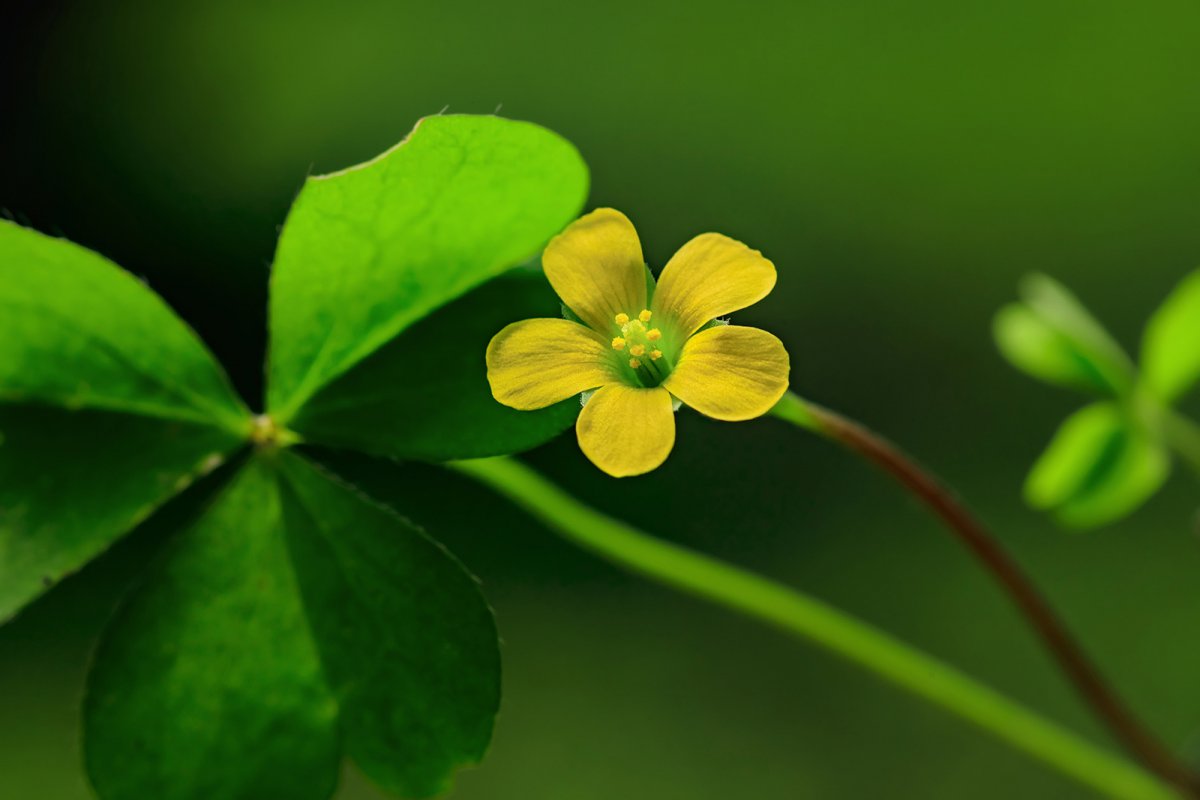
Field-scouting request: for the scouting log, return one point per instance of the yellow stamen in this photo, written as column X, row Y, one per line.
column 633, row 362
column 645, row 315
column 618, row 343
column 654, row 334
column 637, row 350
column 622, row 319
column 655, row 355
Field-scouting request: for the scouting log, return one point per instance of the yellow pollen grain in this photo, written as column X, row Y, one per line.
column 655, row 355
column 633, row 362
column 622, row 319
column 618, row 343
column 654, row 334
column 637, row 350
column 645, row 315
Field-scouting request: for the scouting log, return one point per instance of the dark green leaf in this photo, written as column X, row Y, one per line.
column 425, row 395
column 296, row 621
column 1171, row 345
column 207, row 685
column 407, row 641
column 368, row 251
column 1099, row 467
column 78, row 331
column 71, row 482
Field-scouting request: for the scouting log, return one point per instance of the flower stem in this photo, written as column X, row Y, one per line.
column 808, row 618
column 1069, row 655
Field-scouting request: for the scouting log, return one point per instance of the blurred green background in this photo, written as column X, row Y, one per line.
column 902, row 164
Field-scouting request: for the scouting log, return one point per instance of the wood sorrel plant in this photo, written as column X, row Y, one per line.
column 1112, row 455
column 295, row 621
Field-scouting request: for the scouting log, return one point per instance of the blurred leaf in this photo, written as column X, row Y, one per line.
column 78, row 331
column 370, row 250
column 408, row 644
column 425, row 394
column 1171, row 345
column 1038, row 349
column 71, row 482
column 1098, row 468
column 293, row 622
column 207, row 683
column 1053, row 337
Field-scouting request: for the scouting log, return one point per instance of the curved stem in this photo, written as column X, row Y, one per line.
column 967, row 529
column 809, row 618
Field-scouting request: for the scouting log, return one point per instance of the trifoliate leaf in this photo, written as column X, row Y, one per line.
column 368, row 251
column 1053, row 337
column 295, row 622
column 1171, row 345
column 425, row 395
column 78, row 331
column 1099, row 467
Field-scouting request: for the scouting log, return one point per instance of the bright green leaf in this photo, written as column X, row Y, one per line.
column 1036, row 348
column 408, row 643
column 1053, row 337
column 207, row 685
column 293, row 623
column 425, row 395
column 71, row 482
column 1099, row 467
column 78, row 331
column 1171, row 345
column 370, row 250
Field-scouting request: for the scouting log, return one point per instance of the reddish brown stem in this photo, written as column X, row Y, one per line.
column 1071, row 658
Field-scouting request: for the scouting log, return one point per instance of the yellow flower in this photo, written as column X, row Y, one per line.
column 627, row 426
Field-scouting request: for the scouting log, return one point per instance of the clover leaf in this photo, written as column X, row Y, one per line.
column 1108, row 458
column 295, row 621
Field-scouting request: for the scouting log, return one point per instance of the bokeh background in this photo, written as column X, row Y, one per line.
column 902, row 163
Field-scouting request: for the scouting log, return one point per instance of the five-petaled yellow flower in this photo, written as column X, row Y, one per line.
column 641, row 352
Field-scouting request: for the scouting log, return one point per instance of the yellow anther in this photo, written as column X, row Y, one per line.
column 618, row 343
column 654, row 334
column 655, row 355
column 622, row 319
column 633, row 362
column 645, row 315
column 637, row 350
column 635, row 327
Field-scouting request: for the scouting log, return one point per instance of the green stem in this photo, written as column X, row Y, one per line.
column 963, row 525
column 1184, row 437
column 810, row 619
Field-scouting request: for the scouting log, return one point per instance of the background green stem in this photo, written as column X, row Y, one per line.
column 1184, row 438
column 1069, row 655
column 813, row 620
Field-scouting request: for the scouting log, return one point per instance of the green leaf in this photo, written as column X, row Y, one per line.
column 1171, row 344
column 1099, row 467
column 71, row 482
column 295, row 622
column 208, row 683
column 1054, row 338
column 425, row 394
column 78, row 331
column 368, row 251
column 408, row 643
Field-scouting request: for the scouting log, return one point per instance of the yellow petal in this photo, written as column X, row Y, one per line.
column 596, row 267
column 709, row 277
column 729, row 372
column 537, row 362
column 627, row 431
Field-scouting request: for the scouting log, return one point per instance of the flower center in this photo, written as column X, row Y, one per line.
column 643, row 346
